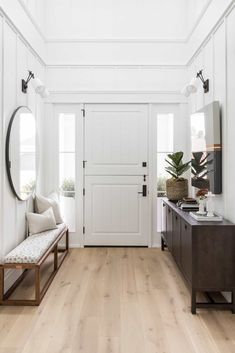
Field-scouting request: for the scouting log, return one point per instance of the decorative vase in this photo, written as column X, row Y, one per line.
column 210, row 204
column 176, row 189
column 201, row 206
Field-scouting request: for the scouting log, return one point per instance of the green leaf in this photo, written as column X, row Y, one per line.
column 172, row 174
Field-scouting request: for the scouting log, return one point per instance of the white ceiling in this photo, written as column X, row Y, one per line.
column 116, row 19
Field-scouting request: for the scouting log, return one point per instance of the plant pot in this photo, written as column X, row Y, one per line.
column 176, row 189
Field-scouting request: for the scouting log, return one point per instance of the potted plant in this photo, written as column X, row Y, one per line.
column 199, row 170
column 176, row 186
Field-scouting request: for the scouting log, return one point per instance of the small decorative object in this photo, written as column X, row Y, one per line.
column 201, row 201
column 176, row 187
column 210, row 204
column 205, row 218
column 202, row 192
column 199, row 170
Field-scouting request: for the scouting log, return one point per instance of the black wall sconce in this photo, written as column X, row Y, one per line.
column 205, row 82
column 25, row 83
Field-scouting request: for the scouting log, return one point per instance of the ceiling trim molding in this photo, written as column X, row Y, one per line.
column 113, row 92
column 196, row 23
column 21, row 36
column 222, row 18
column 116, row 66
column 114, row 40
column 32, row 20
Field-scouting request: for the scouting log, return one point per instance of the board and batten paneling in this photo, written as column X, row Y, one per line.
column 133, row 52
column 219, row 90
column 216, row 57
column 1, row 139
column 230, row 114
column 163, row 79
column 17, row 59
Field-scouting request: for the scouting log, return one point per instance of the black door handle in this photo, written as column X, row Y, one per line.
column 144, row 191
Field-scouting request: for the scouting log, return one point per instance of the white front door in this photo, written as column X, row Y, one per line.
column 116, row 174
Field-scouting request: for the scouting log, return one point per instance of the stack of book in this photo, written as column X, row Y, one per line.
column 188, row 204
column 204, row 218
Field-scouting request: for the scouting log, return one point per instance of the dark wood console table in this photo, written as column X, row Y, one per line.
column 204, row 253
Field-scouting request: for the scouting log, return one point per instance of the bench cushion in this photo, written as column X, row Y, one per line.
column 33, row 248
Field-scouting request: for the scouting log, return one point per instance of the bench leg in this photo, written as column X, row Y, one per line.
column 37, row 285
column 1, row 284
column 67, row 239
column 56, row 257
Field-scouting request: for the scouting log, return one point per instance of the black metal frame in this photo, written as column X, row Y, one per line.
column 7, row 153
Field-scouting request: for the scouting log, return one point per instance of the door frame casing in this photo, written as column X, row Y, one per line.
column 77, row 240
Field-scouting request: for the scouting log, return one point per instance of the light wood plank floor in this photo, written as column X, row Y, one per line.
column 116, row 300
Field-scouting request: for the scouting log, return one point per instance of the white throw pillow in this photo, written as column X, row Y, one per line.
column 43, row 203
column 38, row 223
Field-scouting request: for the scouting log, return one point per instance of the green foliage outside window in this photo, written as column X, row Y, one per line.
column 68, row 187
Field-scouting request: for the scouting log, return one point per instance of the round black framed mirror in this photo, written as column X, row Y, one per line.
column 21, row 153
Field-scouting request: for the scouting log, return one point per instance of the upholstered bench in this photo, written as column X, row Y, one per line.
column 30, row 255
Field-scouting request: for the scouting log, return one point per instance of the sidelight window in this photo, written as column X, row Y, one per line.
column 67, row 167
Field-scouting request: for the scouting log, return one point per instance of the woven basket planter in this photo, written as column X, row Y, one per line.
column 176, row 189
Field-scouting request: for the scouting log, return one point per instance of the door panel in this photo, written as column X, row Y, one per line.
column 116, row 139
column 169, row 228
column 186, row 250
column 176, row 237
column 115, row 211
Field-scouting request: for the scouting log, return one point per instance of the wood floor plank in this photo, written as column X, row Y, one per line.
column 116, row 300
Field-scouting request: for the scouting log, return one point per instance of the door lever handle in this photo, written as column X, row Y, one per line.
column 144, row 191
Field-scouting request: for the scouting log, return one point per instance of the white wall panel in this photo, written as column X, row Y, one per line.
column 198, row 65
column 230, row 114
column 115, row 19
column 9, row 92
column 101, row 78
column 1, row 140
column 70, row 52
column 208, row 70
column 219, row 79
column 17, row 59
column 217, row 59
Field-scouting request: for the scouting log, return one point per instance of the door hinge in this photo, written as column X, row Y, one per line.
column 84, row 164
column 83, row 113
column 83, row 191
column 83, row 230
